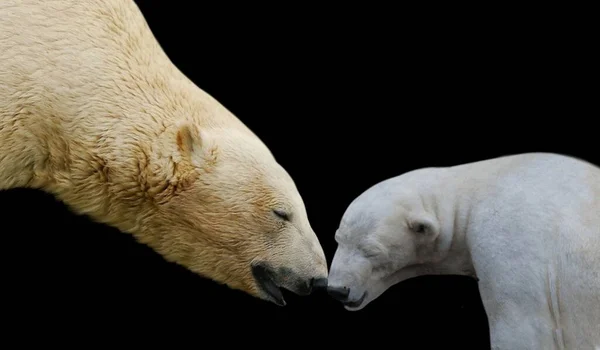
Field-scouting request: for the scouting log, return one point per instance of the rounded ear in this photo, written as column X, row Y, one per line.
column 189, row 139
column 422, row 224
column 181, row 154
column 193, row 146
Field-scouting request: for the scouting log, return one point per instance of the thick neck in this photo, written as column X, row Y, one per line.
column 452, row 209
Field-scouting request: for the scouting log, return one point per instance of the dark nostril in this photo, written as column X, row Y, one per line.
column 338, row 293
column 319, row 283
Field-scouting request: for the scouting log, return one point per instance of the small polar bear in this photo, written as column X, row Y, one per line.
column 527, row 226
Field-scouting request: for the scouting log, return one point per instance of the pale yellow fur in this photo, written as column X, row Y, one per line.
column 93, row 111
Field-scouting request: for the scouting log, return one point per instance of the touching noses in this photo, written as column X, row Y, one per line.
column 338, row 293
column 318, row 283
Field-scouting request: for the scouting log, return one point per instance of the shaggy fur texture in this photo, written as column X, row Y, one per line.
column 94, row 112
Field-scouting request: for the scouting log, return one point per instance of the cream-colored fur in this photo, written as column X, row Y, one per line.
column 93, row 111
column 527, row 226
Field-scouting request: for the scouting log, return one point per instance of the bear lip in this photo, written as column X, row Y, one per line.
column 355, row 304
column 266, row 281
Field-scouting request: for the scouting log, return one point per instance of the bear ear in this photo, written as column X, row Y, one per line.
column 193, row 147
column 181, row 154
column 422, row 225
column 189, row 139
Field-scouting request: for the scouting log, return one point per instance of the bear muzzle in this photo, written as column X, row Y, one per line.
column 270, row 280
column 343, row 294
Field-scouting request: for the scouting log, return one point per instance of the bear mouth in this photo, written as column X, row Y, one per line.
column 266, row 280
column 353, row 305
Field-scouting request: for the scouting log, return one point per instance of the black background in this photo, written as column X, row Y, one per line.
column 344, row 97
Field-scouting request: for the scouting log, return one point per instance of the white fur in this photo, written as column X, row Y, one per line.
column 527, row 226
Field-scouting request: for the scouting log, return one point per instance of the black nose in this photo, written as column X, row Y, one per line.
column 319, row 283
column 338, row 293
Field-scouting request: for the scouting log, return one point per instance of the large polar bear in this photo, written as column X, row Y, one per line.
column 94, row 112
column 527, row 226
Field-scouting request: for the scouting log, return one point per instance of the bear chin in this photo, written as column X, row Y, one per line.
column 357, row 304
column 265, row 280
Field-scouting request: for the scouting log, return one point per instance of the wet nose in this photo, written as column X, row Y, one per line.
column 338, row 293
column 319, row 283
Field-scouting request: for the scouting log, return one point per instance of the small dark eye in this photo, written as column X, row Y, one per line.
column 282, row 214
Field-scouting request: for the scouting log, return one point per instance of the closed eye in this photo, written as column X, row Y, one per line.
column 372, row 251
column 282, row 214
column 370, row 254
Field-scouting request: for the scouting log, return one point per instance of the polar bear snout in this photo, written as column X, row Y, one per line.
column 270, row 280
column 319, row 283
column 349, row 298
column 339, row 293
column 299, row 285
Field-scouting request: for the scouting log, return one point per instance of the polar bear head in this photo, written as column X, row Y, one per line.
column 390, row 233
column 224, row 208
